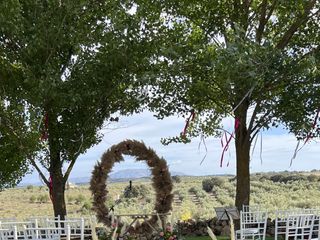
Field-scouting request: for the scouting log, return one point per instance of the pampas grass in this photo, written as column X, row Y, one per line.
column 161, row 179
column 232, row 236
column 114, row 235
column 211, row 234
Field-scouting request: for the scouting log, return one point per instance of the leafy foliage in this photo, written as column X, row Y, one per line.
column 256, row 61
column 76, row 63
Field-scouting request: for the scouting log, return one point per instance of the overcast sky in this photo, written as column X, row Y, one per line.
column 277, row 149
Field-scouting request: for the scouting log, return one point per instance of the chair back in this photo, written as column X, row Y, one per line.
column 281, row 217
column 299, row 226
column 251, row 208
column 253, row 224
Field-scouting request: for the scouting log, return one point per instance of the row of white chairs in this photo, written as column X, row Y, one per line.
column 39, row 228
column 292, row 224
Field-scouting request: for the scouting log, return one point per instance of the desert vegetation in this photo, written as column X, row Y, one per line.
column 194, row 197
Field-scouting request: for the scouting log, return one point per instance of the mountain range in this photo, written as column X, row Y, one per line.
column 123, row 175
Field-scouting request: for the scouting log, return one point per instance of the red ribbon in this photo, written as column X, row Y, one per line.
column 50, row 188
column 228, row 140
column 189, row 119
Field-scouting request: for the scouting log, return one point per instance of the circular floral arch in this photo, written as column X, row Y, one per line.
column 160, row 176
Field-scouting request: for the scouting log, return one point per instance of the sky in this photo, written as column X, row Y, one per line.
column 277, row 149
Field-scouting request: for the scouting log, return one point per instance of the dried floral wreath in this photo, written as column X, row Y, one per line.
column 160, row 176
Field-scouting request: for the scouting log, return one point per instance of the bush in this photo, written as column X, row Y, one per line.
column 312, row 178
column 33, row 199
column 209, row 184
column 29, row 187
column 70, row 199
column 43, row 198
column 135, row 191
column 80, row 199
column 86, row 207
column 193, row 190
column 176, row 179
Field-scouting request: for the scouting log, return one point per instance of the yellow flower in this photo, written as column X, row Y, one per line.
column 186, row 215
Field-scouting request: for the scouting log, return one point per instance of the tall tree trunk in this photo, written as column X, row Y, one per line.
column 58, row 184
column 58, row 193
column 243, row 144
column 243, row 174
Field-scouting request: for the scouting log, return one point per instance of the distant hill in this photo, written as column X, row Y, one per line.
column 123, row 175
column 137, row 173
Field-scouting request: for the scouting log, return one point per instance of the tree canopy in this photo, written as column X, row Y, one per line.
column 78, row 62
column 257, row 61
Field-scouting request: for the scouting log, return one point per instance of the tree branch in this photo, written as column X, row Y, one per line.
column 255, row 133
column 66, row 175
column 254, row 114
column 264, row 18
column 258, row 124
column 39, row 171
column 301, row 19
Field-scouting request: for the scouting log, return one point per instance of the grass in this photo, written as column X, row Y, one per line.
column 206, row 238
column 218, row 238
column 199, row 238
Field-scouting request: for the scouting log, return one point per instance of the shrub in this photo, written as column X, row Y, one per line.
column 135, row 191
column 209, row 184
column 70, row 199
column 33, row 199
column 80, row 198
column 176, row 179
column 86, row 207
column 193, row 190
column 312, row 178
column 29, row 187
column 43, row 198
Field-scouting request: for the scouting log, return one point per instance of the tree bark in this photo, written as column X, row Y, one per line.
column 58, row 194
column 242, row 144
column 57, row 184
column 243, row 173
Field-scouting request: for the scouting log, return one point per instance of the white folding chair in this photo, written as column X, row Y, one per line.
column 253, row 225
column 44, row 233
column 299, row 226
column 6, row 233
column 83, row 226
column 281, row 217
column 14, row 230
column 251, row 208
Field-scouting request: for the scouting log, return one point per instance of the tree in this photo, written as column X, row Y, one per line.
column 78, row 61
column 17, row 140
column 256, row 61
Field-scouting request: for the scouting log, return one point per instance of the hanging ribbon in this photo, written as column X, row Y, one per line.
column 44, row 135
column 189, row 119
column 228, row 140
column 308, row 138
column 51, row 188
